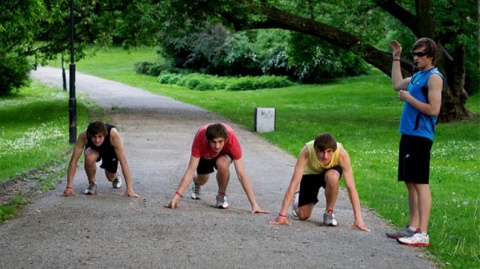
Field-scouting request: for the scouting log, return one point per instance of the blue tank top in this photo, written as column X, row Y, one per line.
column 414, row 122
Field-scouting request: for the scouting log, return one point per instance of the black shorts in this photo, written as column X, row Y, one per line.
column 207, row 166
column 310, row 186
column 109, row 161
column 414, row 159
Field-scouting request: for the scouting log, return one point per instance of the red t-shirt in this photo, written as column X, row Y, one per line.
column 201, row 148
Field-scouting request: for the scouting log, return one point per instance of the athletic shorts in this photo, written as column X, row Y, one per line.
column 207, row 166
column 414, row 159
column 310, row 186
column 109, row 162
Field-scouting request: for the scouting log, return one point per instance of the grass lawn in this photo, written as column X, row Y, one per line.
column 363, row 113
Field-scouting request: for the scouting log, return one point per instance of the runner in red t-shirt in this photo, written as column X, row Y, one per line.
column 215, row 146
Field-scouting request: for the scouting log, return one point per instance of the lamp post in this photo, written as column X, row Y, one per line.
column 72, row 104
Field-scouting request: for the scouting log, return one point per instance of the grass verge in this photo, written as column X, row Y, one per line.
column 363, row 114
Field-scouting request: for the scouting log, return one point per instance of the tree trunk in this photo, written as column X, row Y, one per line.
column 454, row 96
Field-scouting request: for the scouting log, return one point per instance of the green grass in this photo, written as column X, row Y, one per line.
column 34, row 136
column 363, row 114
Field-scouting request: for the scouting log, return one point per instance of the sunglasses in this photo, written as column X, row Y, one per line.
column 419, row 53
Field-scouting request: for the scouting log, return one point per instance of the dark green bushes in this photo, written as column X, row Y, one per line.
column 209, row 82
column 13, row 72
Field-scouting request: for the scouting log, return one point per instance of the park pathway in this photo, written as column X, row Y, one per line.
column 111, row 231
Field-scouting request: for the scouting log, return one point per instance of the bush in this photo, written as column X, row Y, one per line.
column 204, row 86
column 202, row 82
column 214, row 50
column 150, row 68
column 13, row 72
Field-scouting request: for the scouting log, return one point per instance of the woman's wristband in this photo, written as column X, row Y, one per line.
column 179, row 194
column 281, row 215
column 395, row 59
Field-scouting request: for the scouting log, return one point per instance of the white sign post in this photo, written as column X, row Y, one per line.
column 264, row 119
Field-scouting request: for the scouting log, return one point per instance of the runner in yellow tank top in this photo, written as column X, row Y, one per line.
column 321, row 163
column 315, row 166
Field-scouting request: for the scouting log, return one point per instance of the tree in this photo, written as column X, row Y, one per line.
column 357, row 26
column 447, row 22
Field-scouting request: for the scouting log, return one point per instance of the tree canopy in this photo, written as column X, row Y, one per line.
column 365, row 27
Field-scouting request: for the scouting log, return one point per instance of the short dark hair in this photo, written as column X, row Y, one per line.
column 97, row 127
column 430, row 47
column 216, row 130
column 325, row 141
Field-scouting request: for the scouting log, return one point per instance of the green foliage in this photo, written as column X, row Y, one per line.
column 150, row 68
column 216, row 51
column 363, row 114
column 208, row 82
column 6, row 212
column 458, row 24
column 13, row 72
column 39, row 133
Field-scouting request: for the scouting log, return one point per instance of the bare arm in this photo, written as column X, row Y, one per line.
column 247, row 187
column 345, row 164
column 432, row 108
column 302, row 162
column 72, row 165
column 184, row 182
column 116, row 142
column 398, row 82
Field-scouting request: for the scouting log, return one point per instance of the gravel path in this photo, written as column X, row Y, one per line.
column 111, row 231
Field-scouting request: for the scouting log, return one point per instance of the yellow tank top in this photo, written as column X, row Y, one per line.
column 314, row 167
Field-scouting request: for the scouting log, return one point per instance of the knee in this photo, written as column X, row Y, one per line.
column 90, row 157
column 223, row 164
column 303, row 216
column 331, row 178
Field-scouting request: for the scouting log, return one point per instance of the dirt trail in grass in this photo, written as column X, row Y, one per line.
column 110, row 231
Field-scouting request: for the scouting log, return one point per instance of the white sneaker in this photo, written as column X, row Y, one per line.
column 222, row 202
column 417, row 239
column 329, row 219
column 195, row 194
column 117, row 183
column 91, row 190
column 295, row 204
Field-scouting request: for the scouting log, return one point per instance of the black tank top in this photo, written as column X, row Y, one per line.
column 106, row 148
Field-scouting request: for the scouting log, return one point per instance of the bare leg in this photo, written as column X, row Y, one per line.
column 332, row 177
column 223, row 173
column 91, row 157
column 304, row 212
column 111, row 176
column 200, row 180
column 424, row 205
column 413, row 205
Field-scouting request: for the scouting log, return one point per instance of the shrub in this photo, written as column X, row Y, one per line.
column 204, row 86
column 150, row 68
column 192, row 83
column 13, row 72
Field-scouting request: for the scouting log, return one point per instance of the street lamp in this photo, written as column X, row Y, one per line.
column 72, row 104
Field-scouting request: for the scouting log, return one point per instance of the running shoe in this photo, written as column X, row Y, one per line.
column 329, row 219
column 418, row 239
column 195, row 194
column 404, row 232
column 117, row 183
column 222, row 202
column 295, row 204
column 92, row 189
